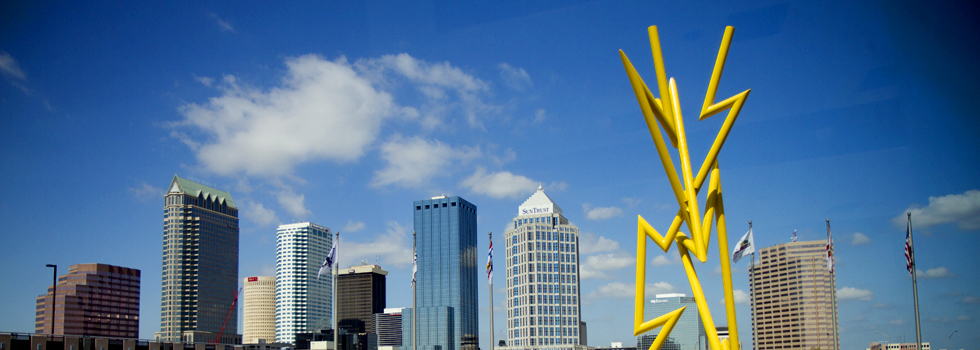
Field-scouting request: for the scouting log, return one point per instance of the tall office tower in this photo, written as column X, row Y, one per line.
column 303, row 299
column 360, row 295
column 93, row 299
column 259, row 310
column 200, row 262
column 446, row 288
column 688, row 333
column 388, row 326
column 543, row 306
column 791, row 297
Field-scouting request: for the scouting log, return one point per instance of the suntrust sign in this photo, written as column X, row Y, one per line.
column 532, row 210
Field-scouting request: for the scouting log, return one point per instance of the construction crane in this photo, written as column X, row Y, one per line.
column 221, row 332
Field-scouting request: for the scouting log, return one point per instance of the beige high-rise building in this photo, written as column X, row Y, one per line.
column 792, row 304
column 259, row 307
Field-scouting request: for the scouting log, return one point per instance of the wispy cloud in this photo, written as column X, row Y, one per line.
column 860, row 239
column 595, row 265
column 515, row 78
column 144, row 192
column 294, row 203
column 10, row 68
column 540, row 116
column 499, row 185
column 851, row 293
column 662, row 260
column 258, row 213
column 619, row 290
column 600, row 213
column 353, row 226
column 936, row 272
column 447, row 88
column 963, row 209
column 631, row 202
column 394, row 248
column 223, row 24
column 590, row 243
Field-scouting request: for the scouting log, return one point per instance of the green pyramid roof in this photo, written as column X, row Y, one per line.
column 186, row 186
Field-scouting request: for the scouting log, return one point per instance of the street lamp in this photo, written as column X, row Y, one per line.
column 947, row 340
column 54, row 293
column 886, row 335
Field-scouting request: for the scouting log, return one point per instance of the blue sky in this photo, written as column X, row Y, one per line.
column 344, row 113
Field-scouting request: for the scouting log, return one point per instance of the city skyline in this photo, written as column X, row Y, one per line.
column 345, row 114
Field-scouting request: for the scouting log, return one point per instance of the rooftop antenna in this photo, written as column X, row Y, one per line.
column 794, row 236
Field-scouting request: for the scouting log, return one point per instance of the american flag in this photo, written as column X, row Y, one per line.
column 490, row 264
column 909, row 263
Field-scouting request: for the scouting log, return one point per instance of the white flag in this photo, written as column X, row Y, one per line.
column 328, row 262
column 415, row 267
column 745, row 246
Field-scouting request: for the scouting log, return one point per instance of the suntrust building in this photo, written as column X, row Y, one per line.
column 543, row 306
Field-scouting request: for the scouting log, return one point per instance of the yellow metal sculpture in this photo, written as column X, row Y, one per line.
column 666, row 112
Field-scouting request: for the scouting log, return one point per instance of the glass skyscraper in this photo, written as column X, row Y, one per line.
column 200, row 262
column 543, row 304
column 303, row 299
column 688, row 333
column 446, row 287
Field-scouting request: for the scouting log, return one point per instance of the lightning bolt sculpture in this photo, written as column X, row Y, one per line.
column 665, row 112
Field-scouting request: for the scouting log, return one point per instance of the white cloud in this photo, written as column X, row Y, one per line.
column 969, row 300
column 883, row 306
column 414, row 161
column 499, row 185
column 937, row 272
column 964, row 318
column 631, row 202
column 600, row 213
column 589, row 243
column 394, row 248
column 662, row 260
column 940, row 320
column 144, row 192
column 515, row 78
column 557, row 186
column 540, row 116
column 206, row 81
column 353, row 226
column 963, row 209
column 741, row 297
column 717, row 270
column 258, row 213
column 594, row 265
column 224, row 25
column 294, row 203
column 9, row 66
column 850, row 293
column 433, row 80
column 619, row 290
column 897, row 322
column 322, row 110
column 860, row 239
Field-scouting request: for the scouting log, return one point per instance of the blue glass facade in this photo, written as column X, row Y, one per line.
column 446, row 288
column 688, row 333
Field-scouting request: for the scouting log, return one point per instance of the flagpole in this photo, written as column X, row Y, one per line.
column 336, row 270
column 490, row 285
column 755, row 323
column 833, row 287
column 915, row 289
column 415, row 311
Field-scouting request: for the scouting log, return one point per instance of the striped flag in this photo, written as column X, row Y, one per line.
column 490, row 264
column 830, row 251
column 909, row 263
